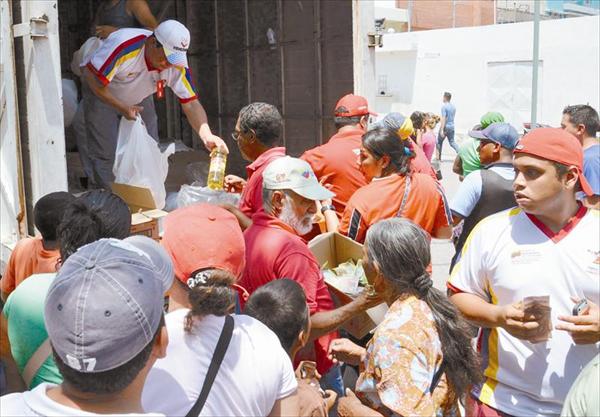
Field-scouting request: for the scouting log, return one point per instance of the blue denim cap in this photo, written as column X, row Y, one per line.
column 104, row 306
column 158, row 255
column 502, row 133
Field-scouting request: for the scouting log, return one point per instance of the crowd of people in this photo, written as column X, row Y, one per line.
column 230, row 315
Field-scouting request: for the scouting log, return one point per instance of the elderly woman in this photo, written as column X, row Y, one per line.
column 420, row 360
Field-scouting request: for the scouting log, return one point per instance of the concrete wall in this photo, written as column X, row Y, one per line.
column 470, row 63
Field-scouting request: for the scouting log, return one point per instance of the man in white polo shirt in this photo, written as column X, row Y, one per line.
column 548, row 247
column 130, row 65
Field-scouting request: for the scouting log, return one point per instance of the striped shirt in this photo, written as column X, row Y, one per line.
column 120, row 64
column 417, row 197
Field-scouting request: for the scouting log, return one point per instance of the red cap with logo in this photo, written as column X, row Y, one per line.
column 352, row 105
column 555, row 145
column 204, row 236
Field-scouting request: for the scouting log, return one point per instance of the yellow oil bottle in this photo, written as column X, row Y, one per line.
column 216, row 171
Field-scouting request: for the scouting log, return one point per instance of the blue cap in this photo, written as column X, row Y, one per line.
column 502, row 133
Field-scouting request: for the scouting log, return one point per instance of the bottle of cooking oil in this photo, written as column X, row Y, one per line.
column 216, row 171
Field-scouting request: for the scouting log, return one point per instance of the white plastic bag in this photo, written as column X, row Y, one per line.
column 196, row 194
column 138, row 160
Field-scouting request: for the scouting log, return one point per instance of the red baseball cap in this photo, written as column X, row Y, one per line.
column 354, row 106
column 555, row 145
column 204, row 236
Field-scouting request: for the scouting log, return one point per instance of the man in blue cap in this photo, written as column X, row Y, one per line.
column 489, row 190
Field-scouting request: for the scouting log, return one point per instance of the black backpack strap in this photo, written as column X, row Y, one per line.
column 215, row 364
column 438, row 376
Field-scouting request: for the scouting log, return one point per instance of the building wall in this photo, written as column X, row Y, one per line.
column 439, row 14
column 470, row 63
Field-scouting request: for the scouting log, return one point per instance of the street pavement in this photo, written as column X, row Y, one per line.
column 443, row 250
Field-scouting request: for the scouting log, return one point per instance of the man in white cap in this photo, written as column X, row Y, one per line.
column 274, row 249
column 131, row 65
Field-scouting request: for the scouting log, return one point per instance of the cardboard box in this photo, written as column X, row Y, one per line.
column 332, row 249
column 137, row 198
column 148, row 223
column 146, row 219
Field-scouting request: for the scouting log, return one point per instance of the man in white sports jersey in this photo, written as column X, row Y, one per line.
column 130, row 65
column 548, row 247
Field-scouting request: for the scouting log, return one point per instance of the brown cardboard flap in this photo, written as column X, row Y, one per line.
column 137, row 198
column 331, row 249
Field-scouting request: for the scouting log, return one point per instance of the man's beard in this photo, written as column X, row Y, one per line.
column 301, row 226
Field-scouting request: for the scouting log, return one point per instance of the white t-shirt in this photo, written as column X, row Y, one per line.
column 255, row 371
column 37, row 403
column 120, row 63
column 509, row 256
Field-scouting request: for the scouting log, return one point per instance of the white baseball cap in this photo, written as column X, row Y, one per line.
column 175, row 40
column 294, row 174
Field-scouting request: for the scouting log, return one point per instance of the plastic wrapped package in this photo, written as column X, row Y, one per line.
column 196, row 193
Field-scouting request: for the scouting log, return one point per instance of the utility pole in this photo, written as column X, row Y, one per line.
column 534, row 68
column 410, row 6
column 453, row 13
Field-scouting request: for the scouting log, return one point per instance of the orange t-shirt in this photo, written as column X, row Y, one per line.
column 28, row 257
column 422, row 199
column 337, row 162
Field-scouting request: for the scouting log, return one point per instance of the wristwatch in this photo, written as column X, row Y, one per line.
column 327, row 207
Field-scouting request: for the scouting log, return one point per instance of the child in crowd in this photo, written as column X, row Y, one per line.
column 35, row 255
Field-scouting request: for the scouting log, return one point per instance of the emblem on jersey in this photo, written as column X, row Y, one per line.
column 522, row 256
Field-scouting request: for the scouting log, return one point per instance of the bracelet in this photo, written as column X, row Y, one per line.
column 327, row 207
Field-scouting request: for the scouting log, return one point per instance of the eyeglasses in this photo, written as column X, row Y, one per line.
column 236, row 135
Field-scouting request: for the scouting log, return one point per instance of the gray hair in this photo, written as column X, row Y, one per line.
column 401, row 250
column 264, row 119
column 267, row 198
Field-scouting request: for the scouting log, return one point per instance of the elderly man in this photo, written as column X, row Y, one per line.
column 521, row 275
column 274, row 249
column 131, row 65
column 257, row 134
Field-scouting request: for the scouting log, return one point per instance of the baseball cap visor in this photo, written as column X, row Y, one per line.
column 477, row 134
column 314, row 192
column 179, row 59
column 585, row 185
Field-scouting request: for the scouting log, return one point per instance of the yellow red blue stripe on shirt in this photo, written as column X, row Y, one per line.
column 186, row 79
column 125, row 51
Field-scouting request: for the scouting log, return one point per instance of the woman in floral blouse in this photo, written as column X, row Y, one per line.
column 420, row 360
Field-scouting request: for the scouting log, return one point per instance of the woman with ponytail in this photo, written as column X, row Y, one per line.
column 420, row 360
column 393, row 190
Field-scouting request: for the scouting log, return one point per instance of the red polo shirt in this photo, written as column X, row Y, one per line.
column 251, row 199
column 273, row 250
column 337, row 162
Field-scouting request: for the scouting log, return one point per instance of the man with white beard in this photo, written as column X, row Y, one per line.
column 274, row 249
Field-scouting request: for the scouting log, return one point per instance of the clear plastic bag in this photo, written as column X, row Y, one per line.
column 196, row 193
column 139, row 161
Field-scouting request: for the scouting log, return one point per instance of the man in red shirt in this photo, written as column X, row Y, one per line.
column 274, row 249
column 257, row 133
column 335, row 161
